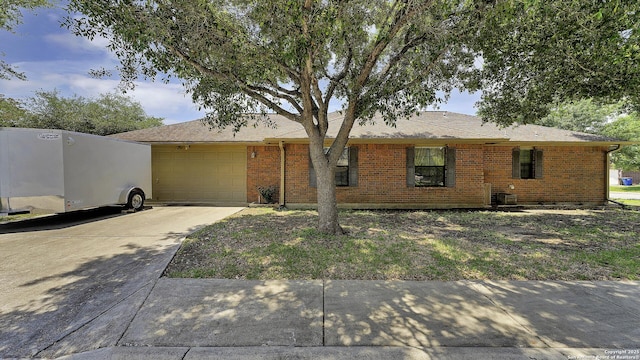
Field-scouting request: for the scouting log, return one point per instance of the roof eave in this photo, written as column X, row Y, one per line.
column 407, row 140
column 241, row 143
column 565, row 143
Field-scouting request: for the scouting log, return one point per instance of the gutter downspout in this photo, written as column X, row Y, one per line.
column 612, row 148
column 282, row 172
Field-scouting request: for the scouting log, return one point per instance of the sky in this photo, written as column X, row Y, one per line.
column 53, row 58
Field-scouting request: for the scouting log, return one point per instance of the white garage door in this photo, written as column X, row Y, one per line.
column 199, row 173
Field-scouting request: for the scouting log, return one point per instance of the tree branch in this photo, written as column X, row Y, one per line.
column 335, row 81
column 317, row 93
column 203, row 70
column 429, row 68
column 272, row 105
column 277, row 87
column 310, row 107
column 399, row 22
column 247, row 89
column 408, row 46
column 276, row 94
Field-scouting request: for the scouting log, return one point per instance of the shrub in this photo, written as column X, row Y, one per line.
column 267, row 193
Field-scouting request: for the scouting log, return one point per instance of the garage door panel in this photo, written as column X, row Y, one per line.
column 202, row 173
column 237, row 157
column 226, row 169
column 227, row 183
column 209, row 156
column 238, row 169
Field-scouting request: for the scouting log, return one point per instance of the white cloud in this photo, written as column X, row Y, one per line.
column 167, row 101
column 65, row 65
column 79, row 44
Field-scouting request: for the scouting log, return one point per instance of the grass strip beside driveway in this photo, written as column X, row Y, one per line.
column 619, row 188
column 261, row 243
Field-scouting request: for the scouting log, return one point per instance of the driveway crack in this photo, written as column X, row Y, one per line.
column 155, row 282
column 89, row 321
column 486, row 293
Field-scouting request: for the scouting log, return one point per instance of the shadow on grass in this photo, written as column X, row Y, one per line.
column 419, row 245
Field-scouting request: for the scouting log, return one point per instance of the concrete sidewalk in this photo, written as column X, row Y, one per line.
column 234, row 319
column 624, row 195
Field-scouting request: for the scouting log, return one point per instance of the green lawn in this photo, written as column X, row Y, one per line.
column 619, row 188
column 626, row 189
column 629, row 202
column 418, row 245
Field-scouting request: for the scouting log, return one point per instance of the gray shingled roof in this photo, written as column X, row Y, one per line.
column 429, row 125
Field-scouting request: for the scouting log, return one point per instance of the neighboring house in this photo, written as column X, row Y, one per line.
column 433, row 160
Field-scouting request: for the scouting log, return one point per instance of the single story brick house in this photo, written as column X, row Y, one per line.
column 433, row 160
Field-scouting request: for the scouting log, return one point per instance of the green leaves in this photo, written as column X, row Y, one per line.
column 108, row 114
column 626, row 127
column 11, row 112
column 372, row 55
column 379, row 56
column 539, row 52
column 584, row 115
column 393, row 57
column 11, row 11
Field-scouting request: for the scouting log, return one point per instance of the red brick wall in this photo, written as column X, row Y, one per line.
column 262, row 170
column 382, row 178
column 570, row 175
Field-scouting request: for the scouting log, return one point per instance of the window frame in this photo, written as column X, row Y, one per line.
column 449, row 168
column 351, row 167
column 439, row 179
column 534, row 165
column 342, row 171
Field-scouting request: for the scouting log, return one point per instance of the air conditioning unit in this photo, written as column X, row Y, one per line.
column 507, row 199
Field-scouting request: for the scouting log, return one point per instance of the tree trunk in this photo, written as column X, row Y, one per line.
column 326, row 189
column 327, row 203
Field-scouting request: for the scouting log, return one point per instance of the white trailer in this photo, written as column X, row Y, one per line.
column 61, row 171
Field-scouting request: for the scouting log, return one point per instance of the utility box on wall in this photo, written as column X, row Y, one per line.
column 507, row 199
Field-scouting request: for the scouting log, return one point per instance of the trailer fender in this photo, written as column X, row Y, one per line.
column 133, row 198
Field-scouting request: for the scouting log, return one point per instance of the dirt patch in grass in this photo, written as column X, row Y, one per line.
column 261, row 243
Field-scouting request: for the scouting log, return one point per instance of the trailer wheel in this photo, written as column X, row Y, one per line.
column 136, row 200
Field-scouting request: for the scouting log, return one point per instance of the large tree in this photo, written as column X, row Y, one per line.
column 105, row 115
column 537, row 53
column 617, row 120
column 11, row 112
column 393, row 57
column 626, row 127
column 584, row 115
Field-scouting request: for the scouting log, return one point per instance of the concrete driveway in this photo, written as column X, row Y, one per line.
column 63, row 279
